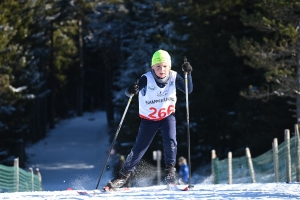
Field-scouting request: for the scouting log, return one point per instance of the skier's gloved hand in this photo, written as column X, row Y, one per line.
column 186, row 67
column 133, row 89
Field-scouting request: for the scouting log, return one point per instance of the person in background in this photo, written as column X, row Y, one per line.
column 183, row 171
column 156, row 91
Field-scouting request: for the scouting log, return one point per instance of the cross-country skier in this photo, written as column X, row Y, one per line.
column 157, row 100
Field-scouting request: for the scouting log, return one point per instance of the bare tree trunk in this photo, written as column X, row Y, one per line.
column 80, row 82
column 51, row 80
column 108, row 95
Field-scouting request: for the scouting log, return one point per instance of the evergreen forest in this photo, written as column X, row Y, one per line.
column 61, row 58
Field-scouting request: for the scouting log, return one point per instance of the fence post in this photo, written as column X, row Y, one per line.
column 158, row 161
column 298, row 153
column 229, row 167
column 248, row 155
column 157, row 157
column 32, row 179
column 275, row 159
column 16, row 174
column 40, row 178
column 215, row 167
column 288, row 156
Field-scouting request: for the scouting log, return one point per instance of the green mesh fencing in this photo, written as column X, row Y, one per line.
column 15, row 179
column 263, row 166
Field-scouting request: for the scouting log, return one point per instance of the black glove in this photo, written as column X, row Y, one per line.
column 133, row 89
column 186, row 67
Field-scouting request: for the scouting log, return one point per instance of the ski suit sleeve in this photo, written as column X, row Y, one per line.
column 142, row 85
column 180, row 83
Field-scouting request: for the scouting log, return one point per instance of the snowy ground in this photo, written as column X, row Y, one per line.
column 234, row 191
column 71, row 158
column 72, row 155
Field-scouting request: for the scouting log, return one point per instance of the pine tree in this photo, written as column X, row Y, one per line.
column 17, row 76
column 273, row 48
column 220, row 118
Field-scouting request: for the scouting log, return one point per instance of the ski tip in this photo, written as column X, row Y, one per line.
column 83, row 193
column 111, row 189
column 106, row 188
column 185, row 189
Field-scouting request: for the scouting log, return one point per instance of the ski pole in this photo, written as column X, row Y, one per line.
column 113, row 142
column 188, row 125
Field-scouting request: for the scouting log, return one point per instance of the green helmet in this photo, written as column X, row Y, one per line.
column 161, row 56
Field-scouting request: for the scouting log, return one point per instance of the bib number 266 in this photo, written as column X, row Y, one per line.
column 161, row 113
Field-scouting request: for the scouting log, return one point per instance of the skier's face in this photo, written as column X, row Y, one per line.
column 161, row 69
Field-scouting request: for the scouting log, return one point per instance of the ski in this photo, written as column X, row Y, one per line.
column 108, row 189
column 88, row 192
column 176, row 188
column 83, row 193
column 170, row 187
column 186, row 188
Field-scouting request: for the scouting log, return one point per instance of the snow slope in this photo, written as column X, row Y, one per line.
column 234, row 191
column 72, row 154
column 71, row 158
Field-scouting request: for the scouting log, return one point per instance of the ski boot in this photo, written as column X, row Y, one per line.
column 170, row 175
column 119, row 181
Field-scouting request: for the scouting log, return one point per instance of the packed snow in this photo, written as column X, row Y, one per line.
column 72, row 156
